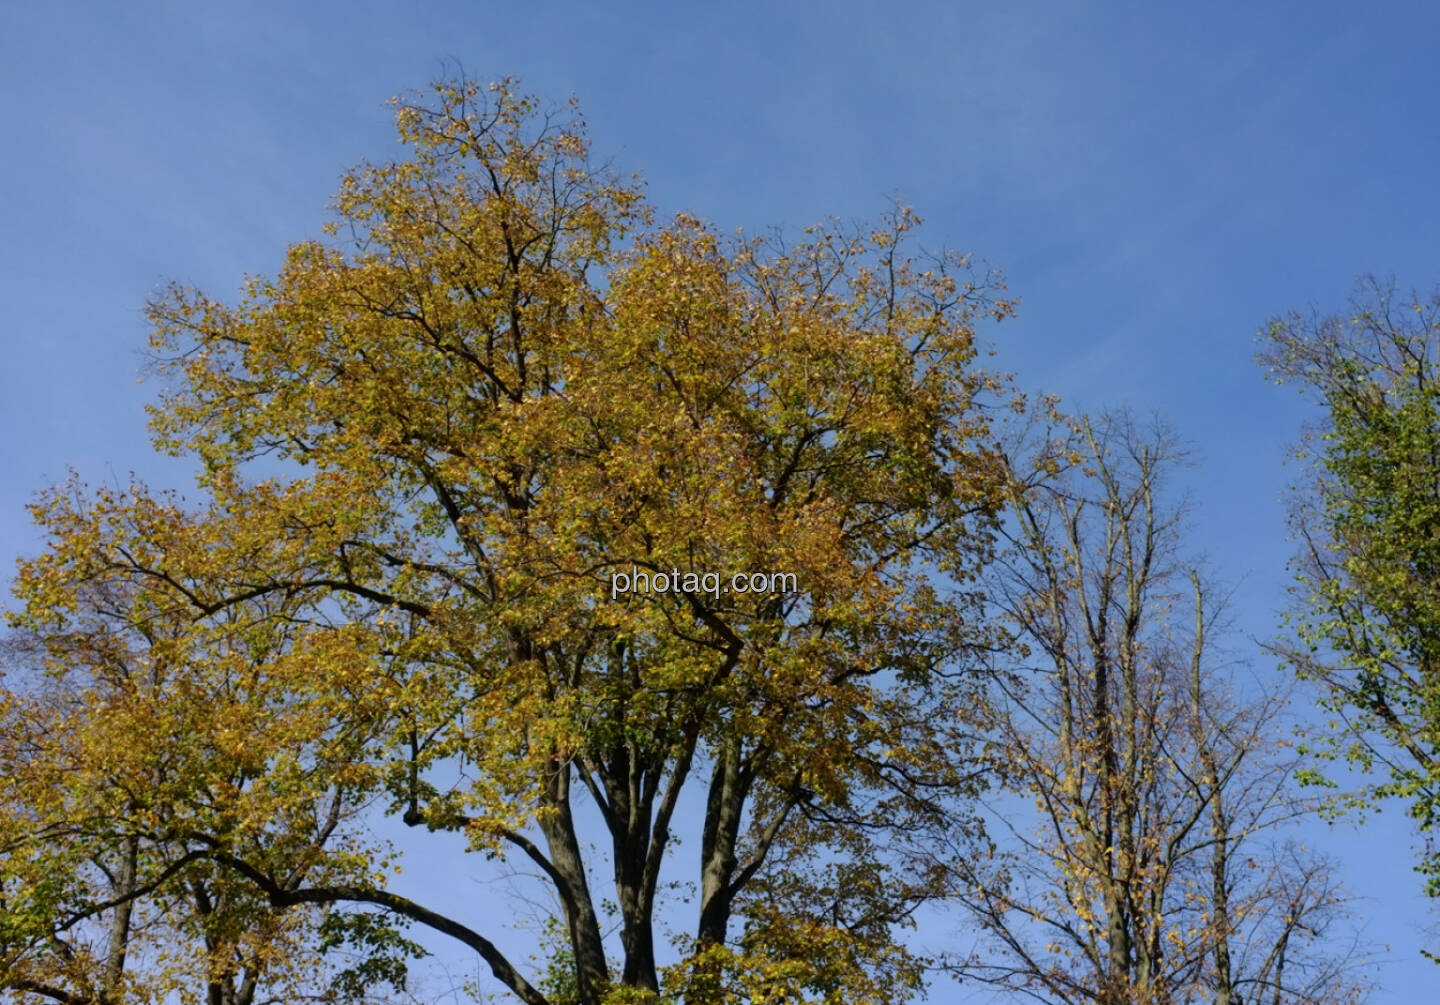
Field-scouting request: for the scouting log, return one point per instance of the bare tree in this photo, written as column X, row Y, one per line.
column 1140, row 859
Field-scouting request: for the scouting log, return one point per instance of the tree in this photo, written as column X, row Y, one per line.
column 507, row 390
column 141, row 740
column 1366, row 623
column 1149, row 870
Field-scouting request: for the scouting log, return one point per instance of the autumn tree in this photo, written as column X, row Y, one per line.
column 430, row 448
column 1140, row 860
column 132, row 737
column 1366, row 511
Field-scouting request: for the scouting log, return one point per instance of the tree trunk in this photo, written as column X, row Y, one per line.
column 592, row 974
column 725, row 807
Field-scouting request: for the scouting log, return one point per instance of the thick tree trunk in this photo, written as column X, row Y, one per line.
column 118, row 940
column 630, row 810
column 724, row 809
column 592, row 974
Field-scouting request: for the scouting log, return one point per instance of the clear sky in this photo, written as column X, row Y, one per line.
column 1156, row 180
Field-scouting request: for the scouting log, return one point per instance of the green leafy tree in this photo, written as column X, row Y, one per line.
column 1366, row 624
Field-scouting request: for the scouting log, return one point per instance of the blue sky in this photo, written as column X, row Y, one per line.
column 1155, row 180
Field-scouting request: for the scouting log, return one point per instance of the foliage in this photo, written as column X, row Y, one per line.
column 128, row 763
column 426, row 448
column 1367, row 619
column 381, row 950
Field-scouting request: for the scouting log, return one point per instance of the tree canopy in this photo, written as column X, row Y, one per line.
column 706, row 582
column 1367, row 515
column 426, row 446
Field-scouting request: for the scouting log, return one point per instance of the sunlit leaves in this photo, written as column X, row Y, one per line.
column 1367, row 515
column 426, row 446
